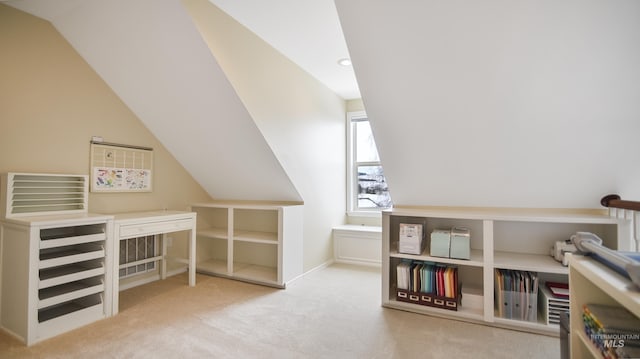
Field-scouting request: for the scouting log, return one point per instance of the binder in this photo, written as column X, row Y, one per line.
column 508, row 287
column 440, row 289
column 402, row 275
column 416, row 277
column 450, row 289
column 499, row 292
column 427, row 278
column 516, row 294
column 533, row 310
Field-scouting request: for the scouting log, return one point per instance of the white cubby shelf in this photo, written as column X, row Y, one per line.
column 501, row 238
column 255, row 242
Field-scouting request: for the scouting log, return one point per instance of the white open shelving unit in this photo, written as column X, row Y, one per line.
column 55, row 257
column 515, row 239
column 255, row 242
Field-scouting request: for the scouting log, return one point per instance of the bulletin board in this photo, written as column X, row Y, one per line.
column 121, row 168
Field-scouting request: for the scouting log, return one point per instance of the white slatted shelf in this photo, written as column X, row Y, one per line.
column 81, row 310
column 69, row 256
column 45, row 193
column 66, row 241
column 68, row 292
column 46, row 224
column 65, row 274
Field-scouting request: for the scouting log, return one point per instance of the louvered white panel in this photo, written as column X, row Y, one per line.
column 25, row 194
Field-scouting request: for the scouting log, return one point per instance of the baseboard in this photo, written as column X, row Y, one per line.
column 360, row 262
column 314, row 269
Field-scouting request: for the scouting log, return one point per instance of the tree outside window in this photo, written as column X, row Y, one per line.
column 368, row 190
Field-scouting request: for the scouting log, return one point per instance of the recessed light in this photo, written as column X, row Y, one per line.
column 344, row 62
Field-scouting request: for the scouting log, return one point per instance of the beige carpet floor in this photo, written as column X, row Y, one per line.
column 330, row 313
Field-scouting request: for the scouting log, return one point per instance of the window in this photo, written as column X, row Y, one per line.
column 367, row 188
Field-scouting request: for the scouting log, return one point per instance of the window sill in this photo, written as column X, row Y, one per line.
column 370, row 214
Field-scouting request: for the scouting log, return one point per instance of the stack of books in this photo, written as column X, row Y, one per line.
column 613, row 330
column 428, row 283
column 516, row 294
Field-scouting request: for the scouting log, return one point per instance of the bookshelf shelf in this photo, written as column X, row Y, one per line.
column 538, row 327
column 474, row 315
column 528, row 262
column 212, row 266
column 254, row 242
column 474, row 261
column 256, row 237
column 220, row 233
column 261, row 274
column 513, row 239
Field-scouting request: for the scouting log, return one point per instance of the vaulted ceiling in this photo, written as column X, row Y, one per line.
column 494, row 103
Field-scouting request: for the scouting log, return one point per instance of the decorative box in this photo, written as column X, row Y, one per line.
column 440, row 242
column 460, row 246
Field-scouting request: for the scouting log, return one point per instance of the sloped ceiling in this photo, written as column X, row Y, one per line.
column 494, row 103
column 501, row 103
column 307, row 32
column 150, row 53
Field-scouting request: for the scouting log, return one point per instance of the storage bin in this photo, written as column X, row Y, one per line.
column 460, row 243
column 428, row 299
column 440, row 242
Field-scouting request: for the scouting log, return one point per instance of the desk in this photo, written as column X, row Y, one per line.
column 139, row 224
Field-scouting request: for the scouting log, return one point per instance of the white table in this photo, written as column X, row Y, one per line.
column 138, row 224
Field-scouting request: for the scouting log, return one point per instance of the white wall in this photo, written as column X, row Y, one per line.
column 301, row 119
column 501, row 103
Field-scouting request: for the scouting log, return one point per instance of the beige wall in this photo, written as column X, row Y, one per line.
column 52, row 102
column 302, row 120
column 355, row 105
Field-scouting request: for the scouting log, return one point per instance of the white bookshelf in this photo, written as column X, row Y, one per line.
column 255, row 242
column 591, row 282
column 514, row 239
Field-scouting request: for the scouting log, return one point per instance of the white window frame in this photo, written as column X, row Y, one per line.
column 352, row 170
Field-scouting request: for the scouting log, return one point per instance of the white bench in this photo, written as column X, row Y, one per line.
column 357, row 244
